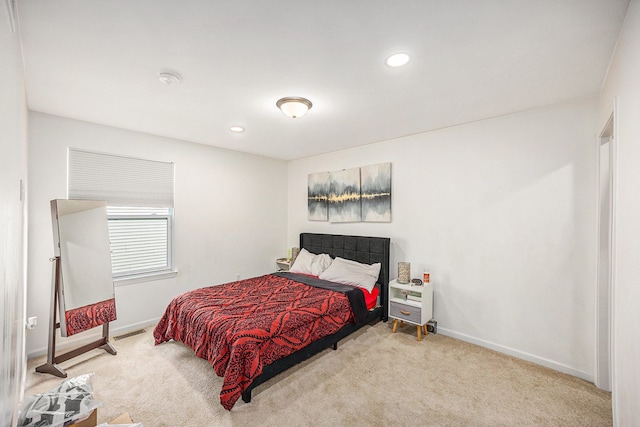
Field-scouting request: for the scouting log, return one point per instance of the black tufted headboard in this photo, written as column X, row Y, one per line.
column 363, row 249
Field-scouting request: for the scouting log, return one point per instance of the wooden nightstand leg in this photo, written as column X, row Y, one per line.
column 395, row 326
column 402, row 323
column 419, row 328
column 424, row 330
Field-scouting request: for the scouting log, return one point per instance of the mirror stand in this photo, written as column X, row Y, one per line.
column 51, row 366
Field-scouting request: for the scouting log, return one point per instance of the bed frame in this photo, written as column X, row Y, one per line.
column 358, row 248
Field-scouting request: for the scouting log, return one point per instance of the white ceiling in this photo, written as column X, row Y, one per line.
column 98, row 61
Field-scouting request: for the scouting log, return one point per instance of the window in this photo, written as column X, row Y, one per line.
column 139, row 196
column 140, row 240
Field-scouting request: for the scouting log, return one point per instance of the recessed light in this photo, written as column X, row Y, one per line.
column 236, row 129
column 398, row 59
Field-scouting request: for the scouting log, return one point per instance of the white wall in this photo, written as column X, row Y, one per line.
column 230, row 215
column 623, row 84
column 502, row 212
column 13, row 169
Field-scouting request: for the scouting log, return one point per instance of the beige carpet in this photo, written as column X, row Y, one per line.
column 375, row 378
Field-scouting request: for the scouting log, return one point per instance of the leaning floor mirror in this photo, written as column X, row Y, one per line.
column 82, row 283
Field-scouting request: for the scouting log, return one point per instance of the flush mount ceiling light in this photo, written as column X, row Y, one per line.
column 237, row 129
column 397, row 59
column 168, row 78
column 294, row 106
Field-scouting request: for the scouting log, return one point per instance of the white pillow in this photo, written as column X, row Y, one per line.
column 308, row 263
column 352, row 273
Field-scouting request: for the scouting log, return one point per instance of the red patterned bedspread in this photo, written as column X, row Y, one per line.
column 240, row 327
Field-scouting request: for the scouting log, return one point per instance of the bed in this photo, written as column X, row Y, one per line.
column 254, row 329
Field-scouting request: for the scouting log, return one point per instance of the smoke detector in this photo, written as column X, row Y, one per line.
column 168, row 77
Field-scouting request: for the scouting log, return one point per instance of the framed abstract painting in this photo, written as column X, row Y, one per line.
column 344, row 196
column 375, row 192
column 317, row 196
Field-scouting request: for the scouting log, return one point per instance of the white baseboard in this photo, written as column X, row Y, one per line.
column 548, row 363
column 74, row 342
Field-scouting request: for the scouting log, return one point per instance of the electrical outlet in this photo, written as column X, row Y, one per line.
column 238, row 276
column 432, row 326
column 32, row 322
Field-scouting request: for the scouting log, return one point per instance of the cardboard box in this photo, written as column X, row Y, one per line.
column 122, row 419
column 91, row 421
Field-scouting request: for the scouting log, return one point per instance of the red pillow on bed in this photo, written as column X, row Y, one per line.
column 370, row 298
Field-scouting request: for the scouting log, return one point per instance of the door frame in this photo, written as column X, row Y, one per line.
column 604, row 348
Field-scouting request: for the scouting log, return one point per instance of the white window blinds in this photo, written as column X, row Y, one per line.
column 121, row 181
column 139, row 195
column 140, row 240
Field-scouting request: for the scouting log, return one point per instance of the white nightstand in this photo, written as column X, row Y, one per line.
column 412, row 304
column 283, row 264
